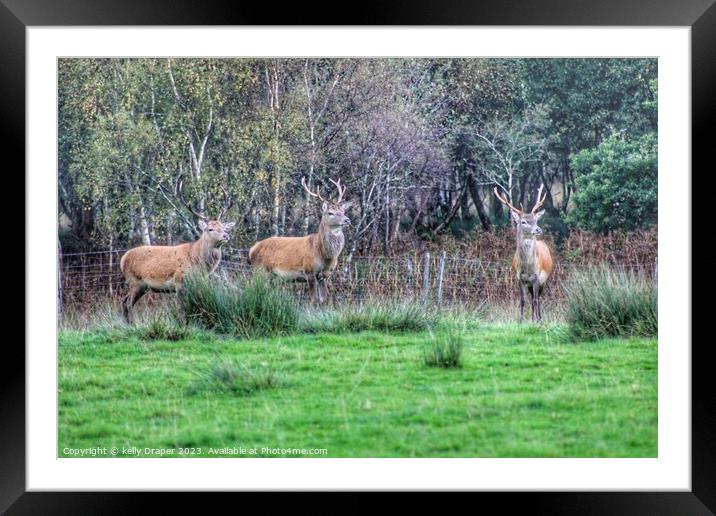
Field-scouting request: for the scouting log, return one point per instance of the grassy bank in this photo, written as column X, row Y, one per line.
column 520, row 391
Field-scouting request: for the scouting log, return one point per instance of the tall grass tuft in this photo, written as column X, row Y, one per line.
column 372, row 316
column 237, row 378
column 605, row 303
column 444, row 351
column 162, row 329
column 253, row 307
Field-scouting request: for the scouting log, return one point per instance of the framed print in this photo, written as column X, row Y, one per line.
column 420, row 254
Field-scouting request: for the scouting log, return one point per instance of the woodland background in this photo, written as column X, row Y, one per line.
column 419, row 144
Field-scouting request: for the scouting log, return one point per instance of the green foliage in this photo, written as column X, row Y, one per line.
column 444, row 351
column 608, row 303
column 129, row 130
column 616, row 185
column 589, row 98
column 555, row 226
column 254, row 307
column 374, row 316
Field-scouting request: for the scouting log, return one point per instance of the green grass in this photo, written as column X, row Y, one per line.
column 444, row 351
column 238, row 378
column 251, row 307
column 605, row 302
column 372, row 316
column 521, row 391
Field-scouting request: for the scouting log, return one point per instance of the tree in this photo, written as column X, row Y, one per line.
column 616, row 186
column 512, row 150
column 588, row 99
column 418, row 142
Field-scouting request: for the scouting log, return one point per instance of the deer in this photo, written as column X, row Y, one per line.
column 532, row 262
column 311, row 258
column 160, row 268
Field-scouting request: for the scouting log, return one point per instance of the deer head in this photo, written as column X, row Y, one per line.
column 526, row 224
column 215, row 231
column 333, row 212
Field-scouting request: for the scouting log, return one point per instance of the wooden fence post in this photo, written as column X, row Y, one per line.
column 426, row 276
column 441, row 270
column 110, row 269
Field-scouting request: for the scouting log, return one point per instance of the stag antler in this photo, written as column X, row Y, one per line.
column 316, row 194
column 180, row 196
column 540, row 201
column 341, row 191
column 503, row 200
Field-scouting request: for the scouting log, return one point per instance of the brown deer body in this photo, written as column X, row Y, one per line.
column 532, row 262
column 310, row 258
column 158, row 268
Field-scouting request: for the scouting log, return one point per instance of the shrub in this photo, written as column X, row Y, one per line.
column 373, row 316
column 159, row 329
column 256, row 306
column 616, row 185
column 610, row 303
column 228, row 376
column 444, row 351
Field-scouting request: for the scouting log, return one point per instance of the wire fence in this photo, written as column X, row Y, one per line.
column 436, row 277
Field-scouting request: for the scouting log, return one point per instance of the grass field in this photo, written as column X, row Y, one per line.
column 521, row 391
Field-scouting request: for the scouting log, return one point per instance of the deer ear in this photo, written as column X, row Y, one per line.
column 539, row 214
column 202, row 225
column 229, row 226
column 515, row 216
column 324, row 208
column 346, row 205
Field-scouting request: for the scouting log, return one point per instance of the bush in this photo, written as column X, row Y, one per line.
column 444, row 351
column 236, row 378
column 254, row 307
column 609, row 303
column 386, row 317
column 616, row 185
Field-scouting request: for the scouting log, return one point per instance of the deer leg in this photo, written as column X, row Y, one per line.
column 522, row 300
column 125, row 307
column 135, row 293
column 539, row 302
column 322, row 291
column 313, row 287
column 535, row 300
column 125, row 302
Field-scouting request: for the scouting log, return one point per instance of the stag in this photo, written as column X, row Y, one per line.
column 160, row 268
column 310, row 258
column 532, row 262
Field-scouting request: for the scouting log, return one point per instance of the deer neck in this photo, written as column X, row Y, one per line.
column 205, row 252
column 527, row 251
column 330, row 240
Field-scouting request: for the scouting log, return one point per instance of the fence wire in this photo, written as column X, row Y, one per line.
column 87, row 277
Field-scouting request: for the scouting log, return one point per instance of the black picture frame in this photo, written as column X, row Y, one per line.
column 700, row 15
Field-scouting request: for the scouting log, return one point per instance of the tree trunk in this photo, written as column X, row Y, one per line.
column 473, row 188
column 276, row 208
column 144, row 225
